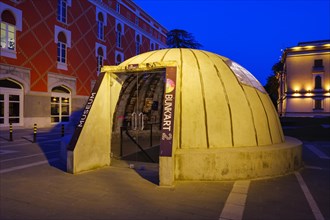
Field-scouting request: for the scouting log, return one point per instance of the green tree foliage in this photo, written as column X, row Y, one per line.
column 178, row 38
column 272, row 82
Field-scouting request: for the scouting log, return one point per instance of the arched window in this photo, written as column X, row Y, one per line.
column 137, row 44
column 62, row 10
column 11, row 102
column 118, row 59
column 61, row 48
column 118, row 7
column 99, row 59
column 118, row 35
column 8, row 30
column 60, row 104
column 318, row 82
column 100, row 26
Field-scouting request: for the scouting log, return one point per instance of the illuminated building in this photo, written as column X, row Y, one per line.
column 52, row 52
column 304, row 89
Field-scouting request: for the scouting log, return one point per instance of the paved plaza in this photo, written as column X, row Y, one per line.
column 34, row 185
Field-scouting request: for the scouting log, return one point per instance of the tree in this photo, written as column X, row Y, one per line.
column 178, row 38
column 272, row 82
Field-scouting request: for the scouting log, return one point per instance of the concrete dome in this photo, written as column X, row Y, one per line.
column 225, row 125
column 219, row 104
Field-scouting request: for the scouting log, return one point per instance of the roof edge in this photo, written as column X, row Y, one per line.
column 139, row 67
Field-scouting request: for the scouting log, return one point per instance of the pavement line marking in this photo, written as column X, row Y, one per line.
column 14, row 140
column 312, row 204
column 316, row 151
column 27, row 166
column 235, row 203
column 2, row 152
column 27, row 143
column 32, row 155
column 314, row 167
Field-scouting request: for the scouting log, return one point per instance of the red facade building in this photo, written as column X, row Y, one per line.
column 52, row 52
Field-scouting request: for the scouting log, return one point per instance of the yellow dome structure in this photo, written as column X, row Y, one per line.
column 221, row 104
column 224, row 124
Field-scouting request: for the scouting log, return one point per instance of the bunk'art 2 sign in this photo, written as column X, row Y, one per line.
column 166, row 140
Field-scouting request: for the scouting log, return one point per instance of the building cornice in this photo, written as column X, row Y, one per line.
column 308, row 53
column 306, row 49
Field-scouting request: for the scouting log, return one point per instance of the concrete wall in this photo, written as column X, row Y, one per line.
column 91, row 150
column 238, row 163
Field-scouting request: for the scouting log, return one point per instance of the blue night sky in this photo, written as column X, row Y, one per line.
column 252, row 33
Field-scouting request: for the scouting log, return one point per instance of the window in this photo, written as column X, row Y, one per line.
column 118, row 7
column 62, row 38
column 8, row 30
column 100, row 26
column 60, row 102
column 118, row 36
column 61, row 48
column 99, row 60
column 62, row 10
column 318, row 82
column 119, row 58
column 100, row 55
column 136, row 20
column 11, row 102
column 318, row 104
column 318, row 63
column 152, row 47
column 137, row 44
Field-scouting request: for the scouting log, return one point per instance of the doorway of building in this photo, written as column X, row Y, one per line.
column 60, row 105
column 137, row 118
column 11, row 103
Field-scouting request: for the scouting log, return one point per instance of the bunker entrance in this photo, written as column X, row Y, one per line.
column 137, row 119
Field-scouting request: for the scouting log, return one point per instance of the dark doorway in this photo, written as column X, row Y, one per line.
column 137, row 119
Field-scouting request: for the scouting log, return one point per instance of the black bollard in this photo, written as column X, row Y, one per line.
column 10, row 132
column 62, row 131
column 34, row 133
column 121, row 141
column 150, row 134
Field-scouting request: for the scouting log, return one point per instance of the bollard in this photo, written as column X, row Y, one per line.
column 121, row 141
column 10, row 132
column 62, row 130
column 34, row 133
column 150, row 135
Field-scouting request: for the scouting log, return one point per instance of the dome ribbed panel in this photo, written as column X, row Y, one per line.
column 193, row 115
column 275, row 126
column 216, row 104
column 156, row 57
column 242, row 122
column 259, row 116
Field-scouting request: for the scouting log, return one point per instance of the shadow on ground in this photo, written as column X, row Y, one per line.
column 143, row 166
column 51, row 146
